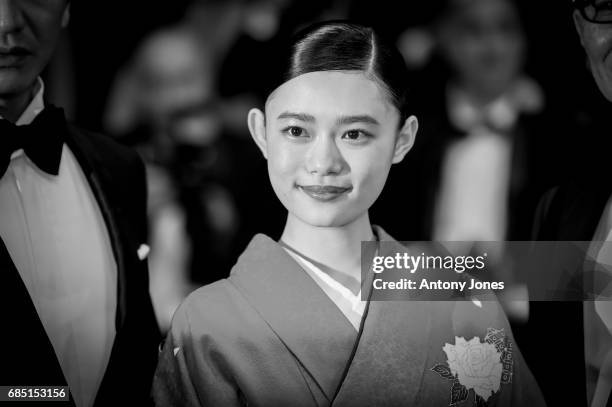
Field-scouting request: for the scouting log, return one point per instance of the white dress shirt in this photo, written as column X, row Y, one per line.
column 56, row 236
column 472, row 200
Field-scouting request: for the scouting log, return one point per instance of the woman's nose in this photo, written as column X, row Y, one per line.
column 324, row 157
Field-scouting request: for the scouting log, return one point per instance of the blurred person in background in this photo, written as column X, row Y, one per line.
column 74, row 289
column 165, row 104
column 479, row 175
column 244, row 45
column 245, row 38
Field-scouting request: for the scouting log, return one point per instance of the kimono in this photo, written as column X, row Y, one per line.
column 269, row 336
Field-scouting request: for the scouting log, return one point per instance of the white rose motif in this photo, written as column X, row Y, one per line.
column 476, row 364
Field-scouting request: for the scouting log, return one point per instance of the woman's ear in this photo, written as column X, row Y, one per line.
column 405, row 139
column 257, row 126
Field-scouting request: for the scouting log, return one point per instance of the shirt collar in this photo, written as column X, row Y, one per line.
column 522, row 96
column 35, row 107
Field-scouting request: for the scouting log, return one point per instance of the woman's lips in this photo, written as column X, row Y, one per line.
column 324, row 193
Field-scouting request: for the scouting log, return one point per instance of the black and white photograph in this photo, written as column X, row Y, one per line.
column 306, row 203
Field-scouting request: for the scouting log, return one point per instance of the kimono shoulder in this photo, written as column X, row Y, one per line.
column 221, row 352
column 256, row 338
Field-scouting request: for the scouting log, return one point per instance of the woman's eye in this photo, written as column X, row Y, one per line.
column 356, row 135
column 294, row 131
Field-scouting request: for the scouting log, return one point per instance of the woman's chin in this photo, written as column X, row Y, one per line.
column 325, row 219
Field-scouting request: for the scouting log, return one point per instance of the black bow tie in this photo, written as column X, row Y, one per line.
column 41, row 141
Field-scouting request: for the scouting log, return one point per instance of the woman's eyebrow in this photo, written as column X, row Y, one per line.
column 363, row 118
column 298, row 116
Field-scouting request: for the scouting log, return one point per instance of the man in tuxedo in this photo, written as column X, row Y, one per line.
column 74, row 293
column 573, row 341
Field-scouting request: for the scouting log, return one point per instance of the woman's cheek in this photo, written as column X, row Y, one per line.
column 373, row 179
column 284, row 161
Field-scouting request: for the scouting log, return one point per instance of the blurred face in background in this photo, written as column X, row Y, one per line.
column 483, row 42
column 262, row 18
column 177, row 94
column 597, row 42
column 29, row 31
column 330, row 139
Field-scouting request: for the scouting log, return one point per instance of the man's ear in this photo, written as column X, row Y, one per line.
column 257, row 126
column 66, row 16
column 579, row 24
column 405, row 139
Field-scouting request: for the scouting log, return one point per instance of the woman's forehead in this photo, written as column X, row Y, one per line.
column 330, row 94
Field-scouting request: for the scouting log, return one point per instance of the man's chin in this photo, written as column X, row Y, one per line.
column 13, row 83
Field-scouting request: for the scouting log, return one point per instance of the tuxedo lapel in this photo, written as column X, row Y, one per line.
column 28, row 356
column 297, row 310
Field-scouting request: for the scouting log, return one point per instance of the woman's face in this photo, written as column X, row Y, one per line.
column 330, row 139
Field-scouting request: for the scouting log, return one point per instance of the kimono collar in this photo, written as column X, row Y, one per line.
column 297, row 310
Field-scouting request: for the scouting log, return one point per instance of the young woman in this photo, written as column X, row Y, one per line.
column 288, row 327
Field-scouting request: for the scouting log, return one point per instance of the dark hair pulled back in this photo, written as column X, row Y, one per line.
column 345, row 46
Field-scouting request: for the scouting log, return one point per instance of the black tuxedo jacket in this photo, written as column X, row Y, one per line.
column 117, row 178
column 556, row 344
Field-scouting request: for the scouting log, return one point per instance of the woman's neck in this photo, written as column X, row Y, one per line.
column 336, row 247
